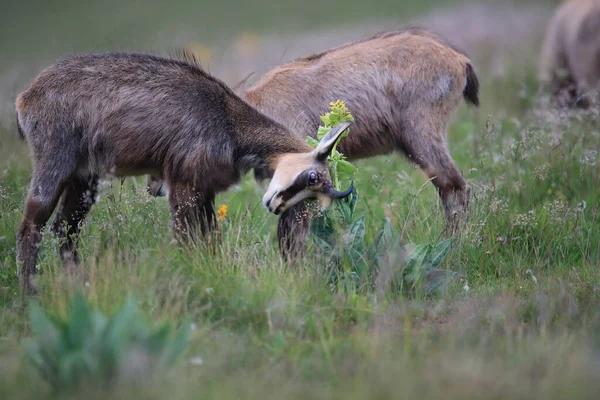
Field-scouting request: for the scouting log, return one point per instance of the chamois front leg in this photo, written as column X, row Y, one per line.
column 292, row 231
column 191, row 210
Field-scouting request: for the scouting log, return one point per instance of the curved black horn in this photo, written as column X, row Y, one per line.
column 340, row 195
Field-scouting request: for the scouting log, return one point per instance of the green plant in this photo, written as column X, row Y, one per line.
column 420, row 270
column 89, row 348
column 340, row 169
column 341, row 215
column 421, row 267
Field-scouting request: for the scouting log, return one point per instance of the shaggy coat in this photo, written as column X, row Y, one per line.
column 129, row 114
column 570, row 60
column 402, row 88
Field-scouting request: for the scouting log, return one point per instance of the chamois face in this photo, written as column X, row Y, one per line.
column 300, row 176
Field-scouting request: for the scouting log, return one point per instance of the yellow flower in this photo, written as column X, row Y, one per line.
column 222, row 211
column 339, row 109
column 340, row 104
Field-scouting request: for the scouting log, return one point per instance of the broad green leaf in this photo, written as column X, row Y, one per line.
column 344, row 211
column 97, row 345
column 322, row 228
column 117, row 334
column 51, row 342
column 387, row 244
column 80, row 326
column 356, row 233
column 440, row 251
column 312, row 141
column 47, row 371
column 355, row 244
column 351, row 281
column 73, row 368
column 345, row 167
column 345, row 174
column 322, row 244
column 345, row 208
column 437, row 281
column 415, row 260
column 32, row 350
column 158, row 339
column 179, row 343
column 98, row 322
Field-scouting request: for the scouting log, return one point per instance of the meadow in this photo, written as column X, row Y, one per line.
column 518, row 319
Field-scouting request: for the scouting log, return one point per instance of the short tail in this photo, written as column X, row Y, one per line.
column 21, row 135
column 471, row 92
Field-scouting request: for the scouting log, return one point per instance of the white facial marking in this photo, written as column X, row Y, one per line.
column 289, row 166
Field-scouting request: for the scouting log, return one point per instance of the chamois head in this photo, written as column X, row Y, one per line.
column 300, row 176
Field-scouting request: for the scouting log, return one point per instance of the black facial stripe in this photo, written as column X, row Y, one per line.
column 322, row 157
column 300, row 183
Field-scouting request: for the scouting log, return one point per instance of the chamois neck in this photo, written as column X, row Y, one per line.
column 262, row 145
column 260, row 140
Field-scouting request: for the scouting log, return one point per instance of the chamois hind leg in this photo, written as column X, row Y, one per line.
column 191, row 210
column 45, row 188
column 78, row 197
column 430, row 152
column 292, row 230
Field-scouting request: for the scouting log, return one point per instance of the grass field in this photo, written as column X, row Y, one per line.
column 520, row 319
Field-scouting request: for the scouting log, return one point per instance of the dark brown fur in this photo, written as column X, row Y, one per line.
column 402, row 88
column 130, row 114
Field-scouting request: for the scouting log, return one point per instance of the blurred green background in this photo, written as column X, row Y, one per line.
column 29, row 29
column 67, row 25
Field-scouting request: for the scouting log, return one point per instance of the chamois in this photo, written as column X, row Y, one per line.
column 570, row 58
column 130, row 114
column 402, row 88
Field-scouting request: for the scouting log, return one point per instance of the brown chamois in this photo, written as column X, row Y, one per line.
column 402, row 88
column 129, row 114
column 570, row 58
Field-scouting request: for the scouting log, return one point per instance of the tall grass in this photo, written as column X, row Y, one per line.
column 519, row 320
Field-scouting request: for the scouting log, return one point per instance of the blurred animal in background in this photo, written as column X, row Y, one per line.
column 570, row 59
column 402, row 87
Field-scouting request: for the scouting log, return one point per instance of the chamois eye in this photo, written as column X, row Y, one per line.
column 312, row 178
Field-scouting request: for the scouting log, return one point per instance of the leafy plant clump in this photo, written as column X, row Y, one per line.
column 341, row 236
column 327, row 223
column 421, row 267
column 340, row 169
column 92, row 350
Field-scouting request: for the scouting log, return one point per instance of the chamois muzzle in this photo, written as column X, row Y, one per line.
column 334, row 194
column 301, row 176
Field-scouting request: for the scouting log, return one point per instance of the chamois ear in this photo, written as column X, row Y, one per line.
column 329, row 140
